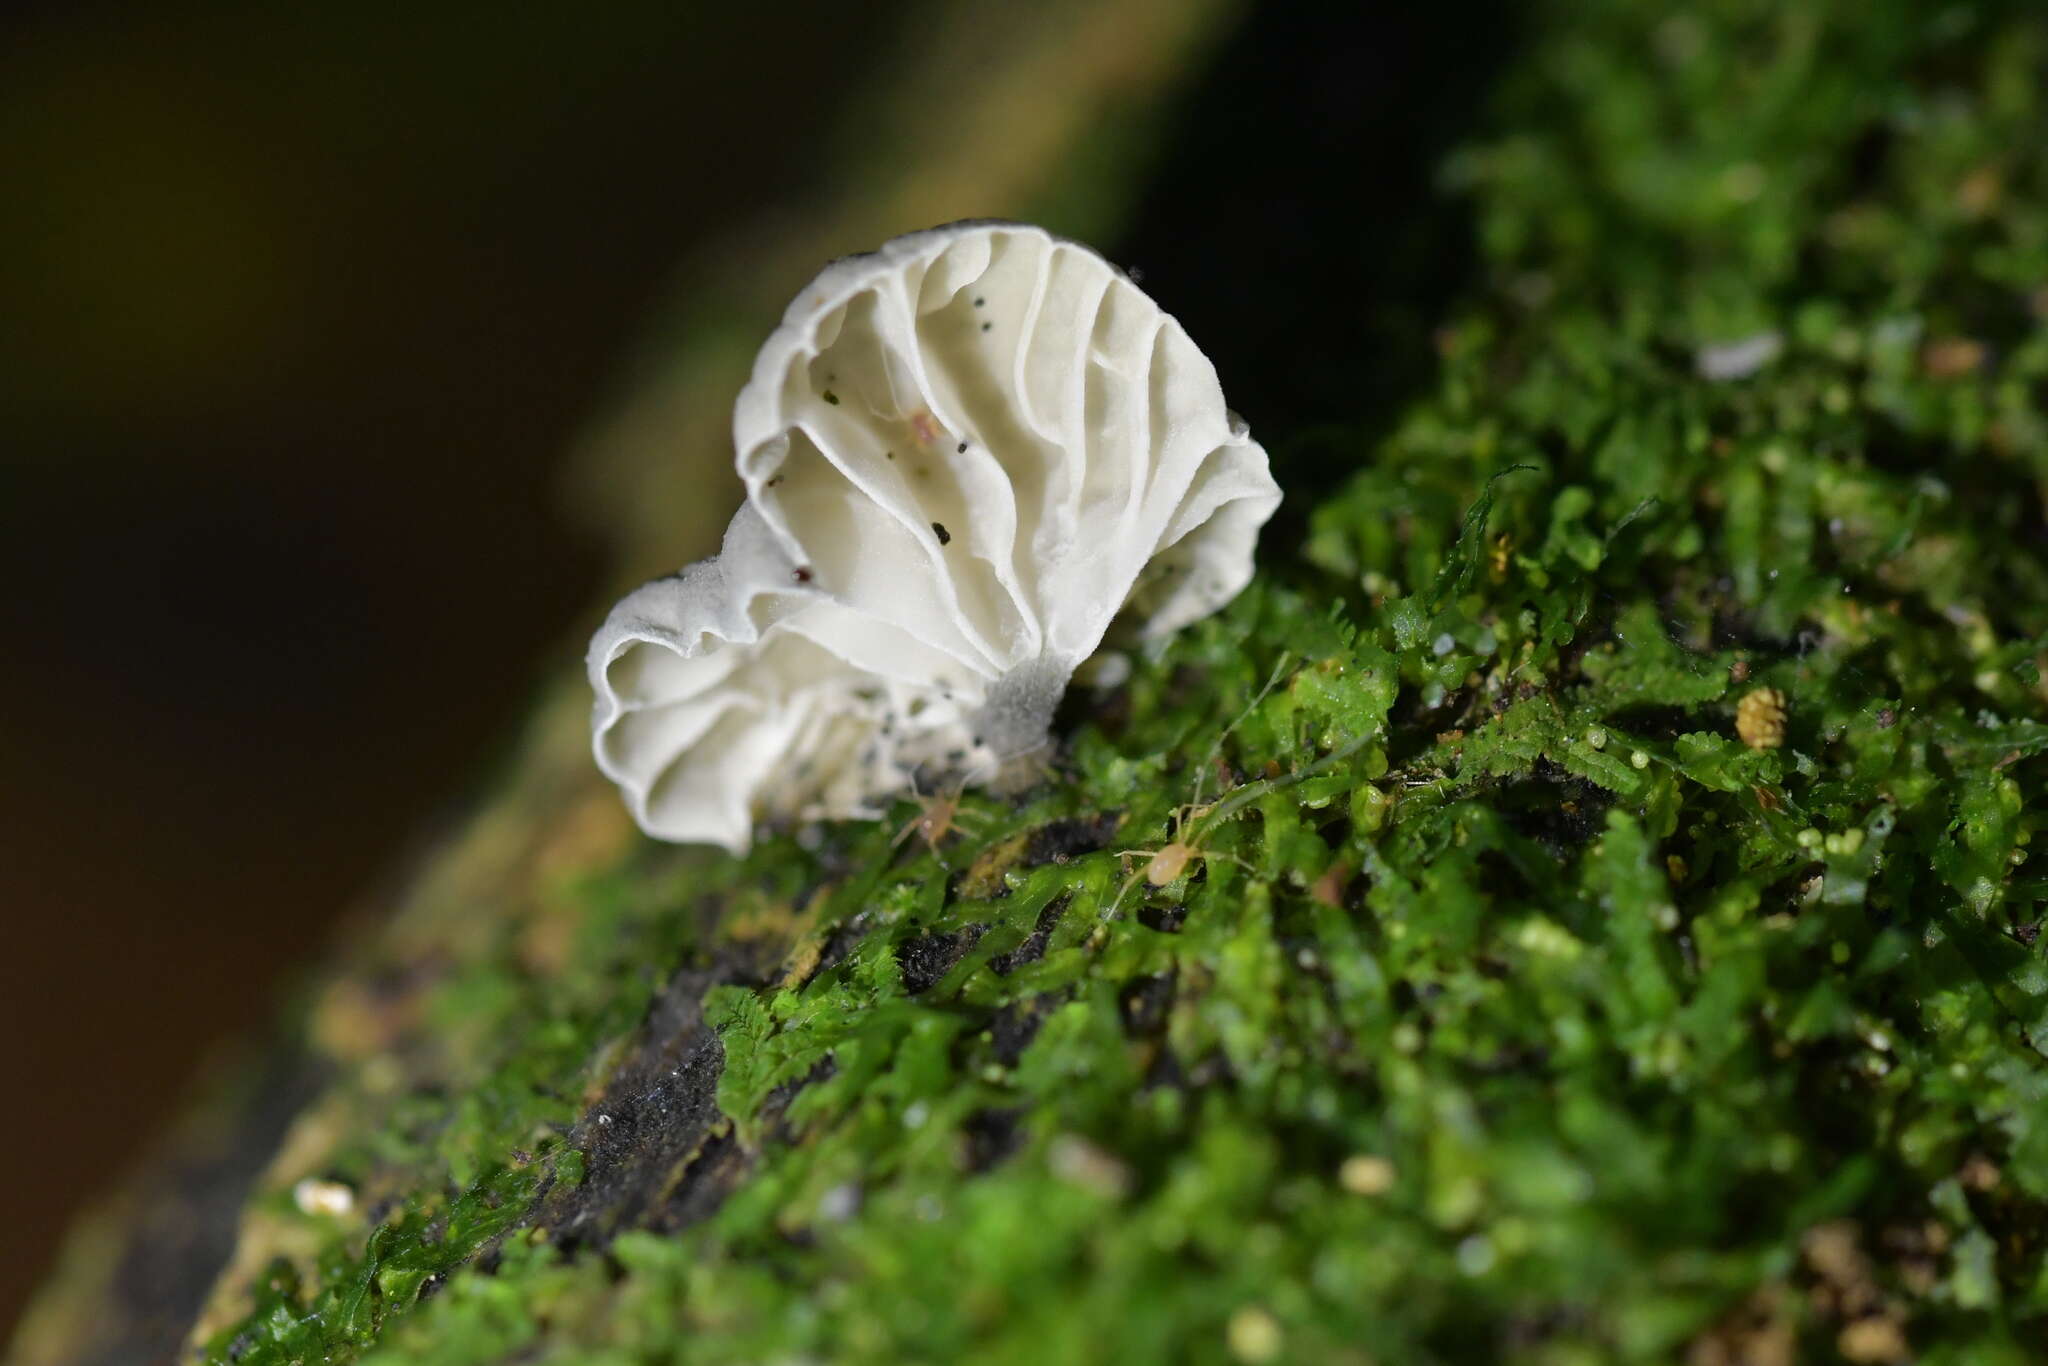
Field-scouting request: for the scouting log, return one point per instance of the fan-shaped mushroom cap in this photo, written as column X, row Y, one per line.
column 965, row 454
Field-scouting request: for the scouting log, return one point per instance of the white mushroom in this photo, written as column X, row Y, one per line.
column 965, row 454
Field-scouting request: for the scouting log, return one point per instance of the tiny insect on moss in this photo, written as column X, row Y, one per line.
column 938, row 817
column 1194, row 822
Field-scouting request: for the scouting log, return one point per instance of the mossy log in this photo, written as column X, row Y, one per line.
column 1612, row 934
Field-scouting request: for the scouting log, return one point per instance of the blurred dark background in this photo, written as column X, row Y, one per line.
column 300, row 309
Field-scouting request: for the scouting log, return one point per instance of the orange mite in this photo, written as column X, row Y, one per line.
column 938, row 816
column 1165, row 865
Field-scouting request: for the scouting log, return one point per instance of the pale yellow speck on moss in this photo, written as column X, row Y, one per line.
column 1760, row 718
column 1366, row 1174
column 1254, row 1335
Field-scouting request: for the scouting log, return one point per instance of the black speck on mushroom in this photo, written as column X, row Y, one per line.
column 939, row 530
column 986, row 326
column 961, row 448
column 979, row 301
column 803, row 573
column 831, row 398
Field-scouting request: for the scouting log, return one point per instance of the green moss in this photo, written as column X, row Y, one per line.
column 1513, row 1005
